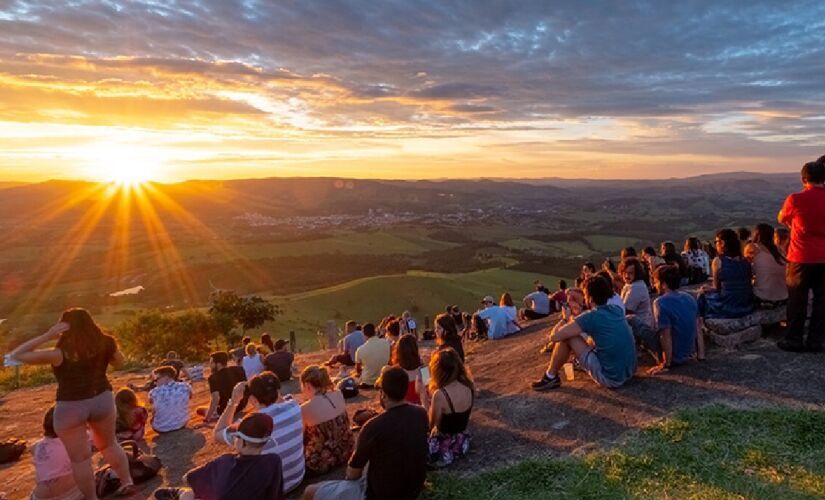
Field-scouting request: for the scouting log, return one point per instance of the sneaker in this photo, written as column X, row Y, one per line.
column 545, row 384
column 791, row 345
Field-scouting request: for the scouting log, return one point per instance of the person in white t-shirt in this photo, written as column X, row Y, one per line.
column 506, row 303
column 169, row 400
column 252, row 363
column 52, row 467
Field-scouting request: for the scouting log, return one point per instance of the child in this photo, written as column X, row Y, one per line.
column 52, row 467
column 248, row 474
column 170, row 401
column 131, row 416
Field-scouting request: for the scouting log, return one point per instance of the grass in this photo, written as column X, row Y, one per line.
column 710, row 453
column 30, row 376
column 608, row 243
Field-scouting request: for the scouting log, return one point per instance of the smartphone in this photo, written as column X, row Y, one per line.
column 425, row 375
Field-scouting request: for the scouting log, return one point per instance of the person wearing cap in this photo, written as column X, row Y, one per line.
column 536, row 304
column 280, row 362
column 288, row 437
column 394, row 444
column 373, row 355
column 249, row 473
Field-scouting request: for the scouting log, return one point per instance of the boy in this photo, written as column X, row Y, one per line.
column 170, row 401
column 249, row 474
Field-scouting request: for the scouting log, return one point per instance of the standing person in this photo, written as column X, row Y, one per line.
column 328, row 439
column 280, row 362
column 84, row 394
column 353, row 339
column 536, row 304
column 768, row 266
column 287, row 438
column 222, row 379
column 803, row 214
column 698, row 262
column 405, row 354
column 611, row 362
column 252, row 363
column 373, row 355
column 131, row 416
column 170, row 401
column 446, row 334
column 52, row 467
column 731, row 295
column 394, row 444
column 453, row 394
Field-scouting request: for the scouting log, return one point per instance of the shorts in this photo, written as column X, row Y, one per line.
column 645, row 335
column 342, row 490
column 591, row 364
column 70, row 414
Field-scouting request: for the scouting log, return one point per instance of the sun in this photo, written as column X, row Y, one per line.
column 125, row 165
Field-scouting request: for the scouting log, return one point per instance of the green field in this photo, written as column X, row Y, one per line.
column 370, row 299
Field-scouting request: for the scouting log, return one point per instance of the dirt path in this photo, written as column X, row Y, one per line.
column 510, row 422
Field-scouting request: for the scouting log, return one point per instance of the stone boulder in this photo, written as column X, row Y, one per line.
column 759, row 317
column 735, row 339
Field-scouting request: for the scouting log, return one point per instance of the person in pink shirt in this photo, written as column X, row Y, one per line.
column 804, row 214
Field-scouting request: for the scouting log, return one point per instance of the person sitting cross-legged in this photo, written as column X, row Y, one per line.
column 249, row 474
column 352, row 340
column 280, row 361
column 222, row 379
column 394, row 444
column 287, row 438
column 536, row 305
column 170, row 401
column 611, row 359
column 328, row 439
column 373, row 355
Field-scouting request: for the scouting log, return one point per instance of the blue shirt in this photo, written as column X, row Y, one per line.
column 352, row 342
column 497, row 321
column 540, row 302
column 678, row 311
column 615, row 346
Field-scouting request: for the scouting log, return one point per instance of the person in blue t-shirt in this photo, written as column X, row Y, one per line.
column 609, row 356
column 678, row 331
column 352, row 341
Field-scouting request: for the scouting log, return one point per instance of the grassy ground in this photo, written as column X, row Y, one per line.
column 710, row 453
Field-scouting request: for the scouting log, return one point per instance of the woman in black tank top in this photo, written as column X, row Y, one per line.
column 84, row 395
column 453, row 395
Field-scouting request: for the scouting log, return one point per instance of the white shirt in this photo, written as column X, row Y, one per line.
column 540, row 302
column 616, row 300
column 252, row 365
column 497, row 320
column 512, row 316
column 170, row 406
column 636, row 299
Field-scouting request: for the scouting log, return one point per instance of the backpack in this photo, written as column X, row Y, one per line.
column 11, row 450
column 348, row 387
column 142, row 467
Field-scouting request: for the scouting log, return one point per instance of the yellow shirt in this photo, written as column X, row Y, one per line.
column 372, row 356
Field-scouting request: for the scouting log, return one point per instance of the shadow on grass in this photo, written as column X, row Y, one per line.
column 715, row 452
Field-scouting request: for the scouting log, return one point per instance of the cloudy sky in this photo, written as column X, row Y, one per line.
column 405, row 89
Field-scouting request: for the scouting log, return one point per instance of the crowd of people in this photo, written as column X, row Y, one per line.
column 276, row 440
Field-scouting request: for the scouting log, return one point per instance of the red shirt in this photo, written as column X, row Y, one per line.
column 804, row 213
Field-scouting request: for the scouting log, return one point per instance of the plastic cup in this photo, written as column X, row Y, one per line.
column 569, row 374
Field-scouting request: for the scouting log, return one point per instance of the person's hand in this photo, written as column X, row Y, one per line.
column 657, row 369
column 238, row 391
column 57, row 329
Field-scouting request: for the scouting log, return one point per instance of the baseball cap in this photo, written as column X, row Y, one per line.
column 254, row 428
column 488, row 298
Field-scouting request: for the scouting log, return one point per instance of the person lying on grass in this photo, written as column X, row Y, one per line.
column 250, row 474
column 609, row 356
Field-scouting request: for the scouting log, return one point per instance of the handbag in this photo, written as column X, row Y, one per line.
column 142, row 467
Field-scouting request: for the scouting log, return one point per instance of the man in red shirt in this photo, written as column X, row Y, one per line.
column 804, row 214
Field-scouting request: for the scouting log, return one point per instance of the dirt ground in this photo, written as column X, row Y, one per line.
column 509, row 422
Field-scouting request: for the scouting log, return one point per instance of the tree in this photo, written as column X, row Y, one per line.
column 151, row 334
column 230, row 311
column 254, row 312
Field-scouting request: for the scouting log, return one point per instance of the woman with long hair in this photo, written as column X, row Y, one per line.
column 446, row 334
column 697, row 260
column 131, row 416
column 509, row 308
column 328, row 440
column 768, row 264
column 84, row 395
column 405, row 354
column 453, row 394
column 673, row 258
column 731, row 295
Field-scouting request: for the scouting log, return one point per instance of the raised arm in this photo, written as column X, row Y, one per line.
column 27, row 351
column 229, row 412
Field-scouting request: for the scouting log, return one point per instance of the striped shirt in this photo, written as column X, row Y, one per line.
column 287, row 440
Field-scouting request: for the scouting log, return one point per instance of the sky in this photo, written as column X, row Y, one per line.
column 173, row 90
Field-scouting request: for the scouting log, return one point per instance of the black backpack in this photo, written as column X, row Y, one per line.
column 11, row 450
column 142, row 468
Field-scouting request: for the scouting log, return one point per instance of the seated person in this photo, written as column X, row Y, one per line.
column 697, row 261
column 131, row 416
column 615, row 299
column 559, row 297
column 393, row 332
column 651, row 260
column 240, row 352
column 494, row 321
column 373, row 355
column 280, row 362
column 405, row 355
column 452, row 401
column 266, row 341
column 768, row 266
column 287, row 438
column 328, row 440
column 253, row 362
column 353, row 339
column 732, row 293
column 611, row 360
column 247, row 474
column 506, row 304
column 782, row 240
column 673, row 258
column 635, row 295
column 536, row 305
column 170, row 360
column 393, row 444
column 222, row 379
column 169, row 400
column 52, row 467
column 678, row 336
column 408, row 324
column 588, row 269
column 446, row 334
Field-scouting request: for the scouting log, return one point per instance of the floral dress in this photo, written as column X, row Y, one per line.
column 328, row 444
